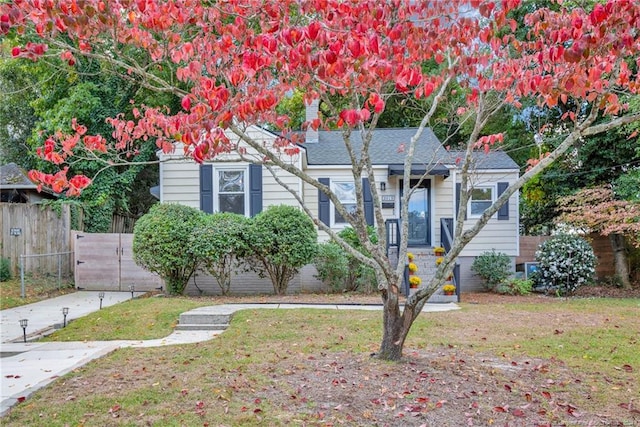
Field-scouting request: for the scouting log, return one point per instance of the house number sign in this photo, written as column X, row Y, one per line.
column 15, row 231
column 388, row 198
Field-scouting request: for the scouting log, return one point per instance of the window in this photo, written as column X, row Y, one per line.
column 346, row 192
column 231, row 186
column 481, row 199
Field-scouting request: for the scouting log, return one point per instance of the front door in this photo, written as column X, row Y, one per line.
column 419, row 214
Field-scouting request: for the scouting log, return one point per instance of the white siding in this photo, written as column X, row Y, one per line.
column 501, row 235
column 180, row 178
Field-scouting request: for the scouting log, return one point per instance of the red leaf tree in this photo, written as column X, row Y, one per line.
column 231, row 62
column 597, row 210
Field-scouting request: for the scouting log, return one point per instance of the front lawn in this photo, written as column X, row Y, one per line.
column 531, row 363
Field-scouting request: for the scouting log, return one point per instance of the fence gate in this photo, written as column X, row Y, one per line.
column 104, row 261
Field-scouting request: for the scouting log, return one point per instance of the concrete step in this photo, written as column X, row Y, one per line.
column 201, row 327
column 443, row 298
column 195, row 318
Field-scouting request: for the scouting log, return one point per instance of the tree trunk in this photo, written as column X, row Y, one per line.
column 396, row 326
column 620, row 259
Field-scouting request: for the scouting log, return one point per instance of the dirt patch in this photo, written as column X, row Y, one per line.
column 446, row 387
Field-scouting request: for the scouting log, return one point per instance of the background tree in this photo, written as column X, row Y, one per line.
column 598, row 210
column 231, row 63
column 43, row 98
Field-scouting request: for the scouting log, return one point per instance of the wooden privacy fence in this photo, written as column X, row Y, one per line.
column 33, row 229
column 600, row 244
column 104, row 261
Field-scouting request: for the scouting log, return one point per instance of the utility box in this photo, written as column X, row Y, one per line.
column 527, row 268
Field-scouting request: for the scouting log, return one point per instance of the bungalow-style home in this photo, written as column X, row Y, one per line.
column 16, row 187
column 231, row 185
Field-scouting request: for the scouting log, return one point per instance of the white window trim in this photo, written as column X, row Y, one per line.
column 332, row 207
column 216, row 187
column 494, row 192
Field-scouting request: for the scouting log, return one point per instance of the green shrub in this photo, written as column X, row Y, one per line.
column 515, row 286
column 218, row 242
column 565, row 262
column 342, row 271
column 333, row 266
column 162, row 242
column 5, row 270
column 280, row 240
column 493, row 268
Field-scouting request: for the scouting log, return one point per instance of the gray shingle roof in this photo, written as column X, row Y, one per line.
column 492, row 160
column 387, row 148
column 12, row 176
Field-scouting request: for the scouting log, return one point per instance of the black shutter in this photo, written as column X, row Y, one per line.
column 206, row 188
column 324, row 207
column 255, row 190
column 368, row 201
column 458, row 190
column 503, row 212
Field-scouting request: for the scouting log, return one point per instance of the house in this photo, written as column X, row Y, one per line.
column 228, row 184
column 16, row 187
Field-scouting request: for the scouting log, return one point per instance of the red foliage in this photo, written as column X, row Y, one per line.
column 258, row 51
column 597, row 209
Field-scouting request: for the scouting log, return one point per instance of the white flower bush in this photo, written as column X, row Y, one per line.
column 565, row 262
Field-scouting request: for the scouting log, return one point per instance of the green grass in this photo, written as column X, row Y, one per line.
column 136, row 319
column 37, row 288
column 593, row 339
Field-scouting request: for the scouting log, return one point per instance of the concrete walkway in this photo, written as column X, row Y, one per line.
column 27, row 367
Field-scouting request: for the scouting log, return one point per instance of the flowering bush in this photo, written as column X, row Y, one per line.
column 414, row 281
column 564, row 263
column 449, row 288
column 413, row 267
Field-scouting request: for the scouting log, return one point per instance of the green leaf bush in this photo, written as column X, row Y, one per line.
column 493, row 268
column 515, row 286
column 5, row 269
column 162, row 243
column 341, row 271
column 279, row 241
column 565, row 262
column 218, row 242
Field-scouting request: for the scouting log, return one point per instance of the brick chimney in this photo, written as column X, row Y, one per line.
column 311, row 111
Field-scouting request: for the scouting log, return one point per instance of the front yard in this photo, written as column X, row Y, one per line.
column 527, row 361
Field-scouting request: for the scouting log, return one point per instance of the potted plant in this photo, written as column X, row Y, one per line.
column 438, row 251
column 412, row 268
column 439, row 260
column 410, row 256
column 449, row 289
column 414, row 282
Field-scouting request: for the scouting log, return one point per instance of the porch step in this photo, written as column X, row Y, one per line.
column 204, row 319
column 201, row 327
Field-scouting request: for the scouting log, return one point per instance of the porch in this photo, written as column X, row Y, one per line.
column 424, row 258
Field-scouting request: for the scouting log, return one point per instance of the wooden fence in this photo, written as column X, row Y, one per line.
column 601, row 248
column 33, row 229
column 104, row 261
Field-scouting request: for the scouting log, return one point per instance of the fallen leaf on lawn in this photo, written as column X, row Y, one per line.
column 517, row 412
column 500, row 408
